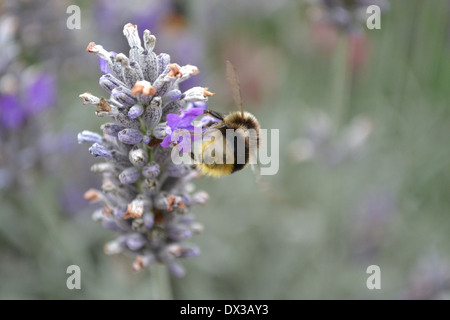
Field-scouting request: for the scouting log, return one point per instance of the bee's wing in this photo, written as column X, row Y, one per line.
column 235, row 85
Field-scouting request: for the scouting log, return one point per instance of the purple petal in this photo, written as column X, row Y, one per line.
column 185, row 144
column 103, row 64
column 166, row 142
column 189, row 116
column 41, row 93
column 12, row 114
column 173, row 120
column 194, row 112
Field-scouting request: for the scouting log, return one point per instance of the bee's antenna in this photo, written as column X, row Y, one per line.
column 235, row 86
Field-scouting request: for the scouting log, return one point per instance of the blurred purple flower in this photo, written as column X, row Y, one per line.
column 12, row 115
column 372, row 217
column 30, row 99
column 40, row 94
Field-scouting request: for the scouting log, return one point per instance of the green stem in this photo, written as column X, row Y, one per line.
column 341, row 83
column 161, row 282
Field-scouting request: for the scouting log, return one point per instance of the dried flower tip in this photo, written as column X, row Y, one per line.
column 93, row 195
column 123, row 60
column 92, row 47
column 99, row 50
column 174, row 71
column 206, row 93
column 143, row 261
column 175, row 201
column 201, row 197
column 114, row 247
column 131, row 33
column 174, row 249
column 143, row 87
column 197, row 228
column 103, row 106
column 149, row 41
column 107, row 211
column 135, row 209
column 197, row 94
column 88, row 98
column 189, row 70
column 138, row 264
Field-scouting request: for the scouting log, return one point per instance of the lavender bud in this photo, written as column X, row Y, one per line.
column 89, row 136
column 177, row 269
column 190, row 252
column 111, row 128
column 111, row 225
column 146, row 139
column 115, row 246
column 153, row 113
column 137, row 225
column 138, row 156
column 162, row 155
column 129, row 175
column 109, row 83
column 163, row 62
column 172, row 95
column 149, row 65
column 179, row 233
column 98, row 150
column 130, row 136
column 197, row 228
column 178, row 171
column 102, row 167
column 119, row 213
column 151, row 171
column 135, row 241
column 127, row 122
column 160, row 131
column 136, row 111
column 124, row 96
column 148, row 220
column 171, row 107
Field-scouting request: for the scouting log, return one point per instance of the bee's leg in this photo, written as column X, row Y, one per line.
column 214, row 114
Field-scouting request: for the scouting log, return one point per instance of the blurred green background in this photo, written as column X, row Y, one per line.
column 364, row 174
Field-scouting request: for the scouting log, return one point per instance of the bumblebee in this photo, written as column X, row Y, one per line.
column 232, row 143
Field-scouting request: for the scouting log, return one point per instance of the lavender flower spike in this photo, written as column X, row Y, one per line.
column 147, row 198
